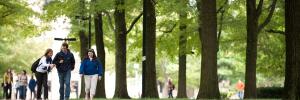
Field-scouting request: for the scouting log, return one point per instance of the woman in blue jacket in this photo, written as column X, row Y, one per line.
column 91, row 69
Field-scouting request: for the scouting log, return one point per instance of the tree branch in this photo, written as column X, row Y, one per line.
column 134, row 21
column 222, row 7
column 268, row 19
column 109, row 20
column 220, row 28
column 170, row 30
column 276, row 31
column 259, row 8
column 6, row 13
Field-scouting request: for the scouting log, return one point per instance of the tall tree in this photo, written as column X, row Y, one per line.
column 253, row 29
column 100, row 91
column 208, row 35
column 83, row 42
column 292, row 67
column 182, row 49
column 149, row 87
column 120, row 45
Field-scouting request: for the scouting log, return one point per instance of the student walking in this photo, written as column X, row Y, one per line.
column 31, row 85
column 240, row 87
column 91, row 69
column 23, row 85
column 65, row 63
column 45, row 65
column 8, row 80
column 171, row 87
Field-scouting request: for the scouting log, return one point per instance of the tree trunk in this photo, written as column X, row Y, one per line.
column 209, row 88
column 149, row 87
column 292, row 67
column 251, row 52
column 182, row 51
column 120, row 43
column 83, row 51
column 100, row 91
column 83, row 43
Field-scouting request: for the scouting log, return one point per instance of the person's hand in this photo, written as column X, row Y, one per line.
column 99, row 77
column 80, row 75
column 61, row 61
column 51, row 65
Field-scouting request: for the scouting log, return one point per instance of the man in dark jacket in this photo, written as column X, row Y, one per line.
column 65, row 62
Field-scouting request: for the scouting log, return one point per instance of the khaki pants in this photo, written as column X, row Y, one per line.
column 90, row 83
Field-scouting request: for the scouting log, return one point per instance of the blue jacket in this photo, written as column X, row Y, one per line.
column 89, row 67
column 68, row 61
column 32, row 84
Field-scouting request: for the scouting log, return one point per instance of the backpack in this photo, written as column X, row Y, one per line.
column 35, row 65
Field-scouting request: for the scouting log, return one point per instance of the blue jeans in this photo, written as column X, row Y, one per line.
column 64, row 79
column 22, row 90
column 241, row 94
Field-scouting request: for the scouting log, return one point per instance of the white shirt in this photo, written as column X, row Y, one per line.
column 43, row 65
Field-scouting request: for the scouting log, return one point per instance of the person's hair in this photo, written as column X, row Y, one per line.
column 65, row 44
column 24, row 72
column 48, row 51
column 8, row 71
column 94, row 54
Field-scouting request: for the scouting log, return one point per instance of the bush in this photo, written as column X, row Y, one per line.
column 269, row 92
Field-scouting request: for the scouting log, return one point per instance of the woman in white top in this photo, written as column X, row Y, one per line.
column 45, row 65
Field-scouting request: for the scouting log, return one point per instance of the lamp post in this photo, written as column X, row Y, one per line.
column 90, row 25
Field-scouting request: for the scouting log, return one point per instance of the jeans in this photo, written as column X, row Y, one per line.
column 64, row 79
column 241, row 94
column 22, row 90
column 170, row 93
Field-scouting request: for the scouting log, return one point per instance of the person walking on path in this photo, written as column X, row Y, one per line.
column 91, row 69
column 65, row 63
column 41, row 74
column 8, row 80
column 31, row 85
column 240, row 87
column 23, row 85
column 171, row 87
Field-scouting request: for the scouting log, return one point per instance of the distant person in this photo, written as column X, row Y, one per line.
column 32, row 85
column 45, row 65
column 171, row 87
column 17, row 86
column 23, row 85
column 240, row 87
column 91, row 69
column 65, row 63
column 8, row 80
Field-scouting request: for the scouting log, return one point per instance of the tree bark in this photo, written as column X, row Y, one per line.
column 182, row 50
column 149, row 87
column 120, row 45
column 292, row 67
column 83, row 51
column 209, row 88
column 83, row 44
column 253, row 29
column 251, row 52
column 100, row 91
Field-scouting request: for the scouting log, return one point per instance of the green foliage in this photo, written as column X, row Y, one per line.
column 17, row 27
column 18, row 48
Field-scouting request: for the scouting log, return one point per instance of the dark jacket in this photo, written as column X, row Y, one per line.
column 68, row 61
column 89, row 67
column 32, row 84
